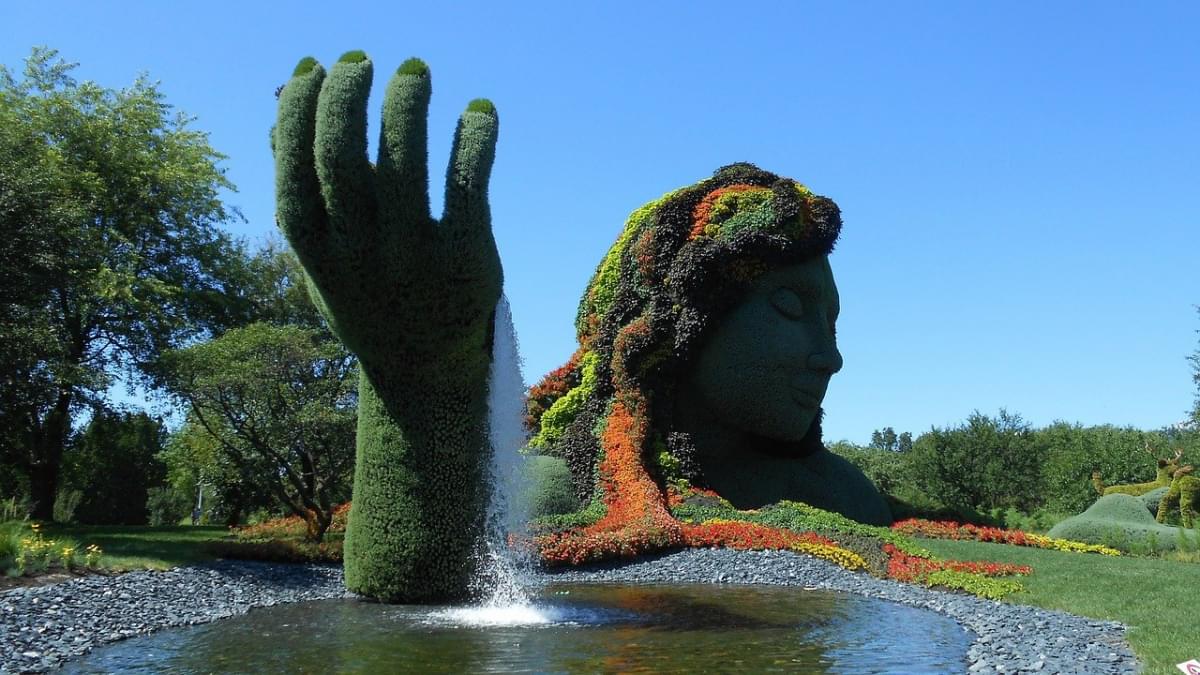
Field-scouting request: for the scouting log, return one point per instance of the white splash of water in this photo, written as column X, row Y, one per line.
column 514, row 615
column 505, row 574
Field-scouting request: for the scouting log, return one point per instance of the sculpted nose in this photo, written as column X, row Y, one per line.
column 827, row 360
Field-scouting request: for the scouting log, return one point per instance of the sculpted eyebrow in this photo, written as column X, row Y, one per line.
column 805, row 291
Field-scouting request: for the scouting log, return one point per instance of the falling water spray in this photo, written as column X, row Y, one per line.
column 505, row 573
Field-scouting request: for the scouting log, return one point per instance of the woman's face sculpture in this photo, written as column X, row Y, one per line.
column 765, row 367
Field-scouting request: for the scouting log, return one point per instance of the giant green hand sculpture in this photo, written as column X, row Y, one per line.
column 413, row 298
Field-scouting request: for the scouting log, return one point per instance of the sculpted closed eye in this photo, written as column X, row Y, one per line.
column 788, row 303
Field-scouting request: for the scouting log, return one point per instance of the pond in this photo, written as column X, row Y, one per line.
column 569, row 629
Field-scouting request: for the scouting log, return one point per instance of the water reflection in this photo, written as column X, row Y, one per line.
column 569, row 629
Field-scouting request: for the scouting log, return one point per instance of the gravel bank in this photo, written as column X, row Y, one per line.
column 40, row 627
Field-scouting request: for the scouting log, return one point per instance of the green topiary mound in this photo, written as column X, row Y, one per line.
column 413, row 298
column 1123, row 522
column 550, row 491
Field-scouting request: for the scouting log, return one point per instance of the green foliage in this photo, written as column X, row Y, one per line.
column 413, row 66
column 797, row 517
column 305, row 66
column 564, row 411
column 278, row 550
column 1121, row 521
column 116, row 213
column 113, row 463
column 549, row 484
column 991, row 588
column 885, row 468
column 66, row 502
column 197, row 463
column 982, row 464
column 482, row 105
column 278, row 401
column 352, row 56
column 166, row 506
column 1073, row 452
column 1183, row 495
column 593, row 512
column 1153, row 498
column 11, row 533
column 413, row 299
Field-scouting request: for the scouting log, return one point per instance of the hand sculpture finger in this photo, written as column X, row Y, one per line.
column 301, row 211
column 467, row 220
column 340, row 151
column 402, row 170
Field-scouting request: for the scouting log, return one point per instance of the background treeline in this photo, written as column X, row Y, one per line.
column 1000, row 470
column 119, row 282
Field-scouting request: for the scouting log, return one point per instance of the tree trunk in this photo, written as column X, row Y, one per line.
column 47, row 457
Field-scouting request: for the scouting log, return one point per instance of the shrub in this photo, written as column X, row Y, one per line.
column 113, row 463
column 65, row 505
column 279, row 550
column 166, row 506
column 550, row 490
column 1122, row 522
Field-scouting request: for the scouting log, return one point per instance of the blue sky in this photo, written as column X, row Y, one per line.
column 1018, row 181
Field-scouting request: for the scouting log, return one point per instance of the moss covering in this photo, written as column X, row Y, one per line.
column 549, row 485
column 413, row 298
column 413, row 66
column 306, row 65
column 1184, row 494
column 353, row 56
column 1121, row 521
column 481, row 105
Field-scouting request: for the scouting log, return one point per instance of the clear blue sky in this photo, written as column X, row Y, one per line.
column 1019, row 181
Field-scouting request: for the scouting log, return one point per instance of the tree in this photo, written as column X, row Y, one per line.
column 109, row 218
column 197, row 463
column 886, row 439
column 279, row 402
column 113, row 463
column 985, row 463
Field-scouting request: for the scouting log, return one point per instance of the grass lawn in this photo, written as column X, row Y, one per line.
column 1158, row 599
column 136, row 548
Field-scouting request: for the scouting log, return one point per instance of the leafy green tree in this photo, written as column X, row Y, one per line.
column 985, row 463
column 884, row 439
column 279, row 402
column 112, row 228
column 113, row 463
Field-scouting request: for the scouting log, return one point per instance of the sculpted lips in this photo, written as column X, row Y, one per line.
column 808, row 396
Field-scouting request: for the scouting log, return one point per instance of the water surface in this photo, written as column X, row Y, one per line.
column 569, row 629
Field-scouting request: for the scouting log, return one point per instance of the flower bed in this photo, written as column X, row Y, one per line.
column 946, row 529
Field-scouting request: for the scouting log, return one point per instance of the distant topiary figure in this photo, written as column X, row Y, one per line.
column 1183, row 493
column 1121, row 521
column 413, row 298
column 1163, row 476
column 706, row 342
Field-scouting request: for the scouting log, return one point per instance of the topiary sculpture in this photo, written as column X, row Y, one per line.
column 1163, row 477
column 413, row 298
column 1184, row 493
column 706, row 342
